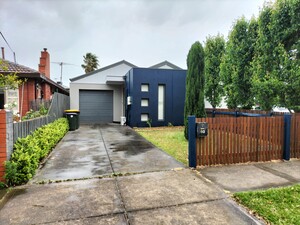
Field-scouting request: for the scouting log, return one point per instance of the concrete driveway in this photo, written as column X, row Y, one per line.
column 107, row 174
column 94, row 151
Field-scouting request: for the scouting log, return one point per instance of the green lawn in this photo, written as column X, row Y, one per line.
column 169, row 139
column 276, row 205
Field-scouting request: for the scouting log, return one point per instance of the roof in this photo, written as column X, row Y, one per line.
column 11, row 67
column 26, row 72
column 103, row 69
column 165, row 63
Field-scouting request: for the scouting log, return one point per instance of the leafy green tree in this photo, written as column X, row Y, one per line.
column 90, row 62
column 236, row 65
column 285, row 26
column 292, row 95
column 276, row 61
column 8, row 80
column 195, row 80
column 214, row 50
column 294, row 33
column 289, row 77
column 286, row 23
column 265, row 83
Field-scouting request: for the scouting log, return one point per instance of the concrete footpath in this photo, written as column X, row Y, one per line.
column 254, row 176
column 108, row 174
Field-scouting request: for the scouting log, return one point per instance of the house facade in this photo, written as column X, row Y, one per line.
column 37, row 86
column 155, row 97
column 124, row 90
column 99, row 95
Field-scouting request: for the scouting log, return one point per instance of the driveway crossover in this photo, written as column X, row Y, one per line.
column 108, row 174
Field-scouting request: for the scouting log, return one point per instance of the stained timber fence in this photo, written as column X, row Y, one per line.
column 245, row 139
column 60, row 102
column 295, row 136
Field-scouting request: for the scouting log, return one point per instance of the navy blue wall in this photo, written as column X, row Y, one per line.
column 174, row 81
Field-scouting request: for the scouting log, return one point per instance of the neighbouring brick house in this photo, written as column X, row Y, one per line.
column 5, row 145
column 38, row 85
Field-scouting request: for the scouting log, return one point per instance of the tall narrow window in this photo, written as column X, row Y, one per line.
column 161, row 102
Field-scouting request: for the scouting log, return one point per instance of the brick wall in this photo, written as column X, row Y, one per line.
column 3, row 154
column 47, row 91
column 6, row 139
column 29, row 95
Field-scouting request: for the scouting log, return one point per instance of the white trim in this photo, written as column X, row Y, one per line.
column 161, row 102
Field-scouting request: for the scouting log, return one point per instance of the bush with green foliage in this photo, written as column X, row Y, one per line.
column 29, row 151
column 2, row 185
column 34, row 114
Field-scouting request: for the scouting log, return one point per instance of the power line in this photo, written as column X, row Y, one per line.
column 8, row 46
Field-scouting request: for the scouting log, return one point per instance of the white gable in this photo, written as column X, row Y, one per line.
column 165, row 67
column 102, row 76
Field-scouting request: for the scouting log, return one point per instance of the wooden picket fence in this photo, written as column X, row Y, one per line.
column 295, row 136
column 245, row 139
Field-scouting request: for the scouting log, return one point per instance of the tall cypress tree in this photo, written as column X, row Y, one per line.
column 195, row 80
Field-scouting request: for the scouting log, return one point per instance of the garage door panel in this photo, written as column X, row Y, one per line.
column 95, row 106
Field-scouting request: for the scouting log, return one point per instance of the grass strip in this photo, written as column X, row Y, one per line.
column 275, row 205
column 169, row 139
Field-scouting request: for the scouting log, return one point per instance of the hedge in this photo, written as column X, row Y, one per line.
column 29, row 151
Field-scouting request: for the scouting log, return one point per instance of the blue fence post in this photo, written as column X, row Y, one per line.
column 192, row 141
column 287, row 136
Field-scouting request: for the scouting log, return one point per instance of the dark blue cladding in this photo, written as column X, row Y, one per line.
column 174, row 83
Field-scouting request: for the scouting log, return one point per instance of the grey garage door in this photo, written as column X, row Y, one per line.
column 95, row 106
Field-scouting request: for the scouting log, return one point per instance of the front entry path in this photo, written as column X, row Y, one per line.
column 108, row 174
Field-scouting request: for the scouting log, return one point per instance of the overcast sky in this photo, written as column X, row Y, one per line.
column 142, row 32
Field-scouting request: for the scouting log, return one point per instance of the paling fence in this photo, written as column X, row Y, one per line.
column 295, row 136
column 36, row 104
column 60, row 102
column 245, row 139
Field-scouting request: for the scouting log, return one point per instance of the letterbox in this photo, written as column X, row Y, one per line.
column 202, row 129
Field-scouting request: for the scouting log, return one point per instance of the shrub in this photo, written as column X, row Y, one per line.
column 29, row 151
column 2, row 185
column 34, row 114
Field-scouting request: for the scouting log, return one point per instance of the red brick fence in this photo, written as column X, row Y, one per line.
column 6, row 139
